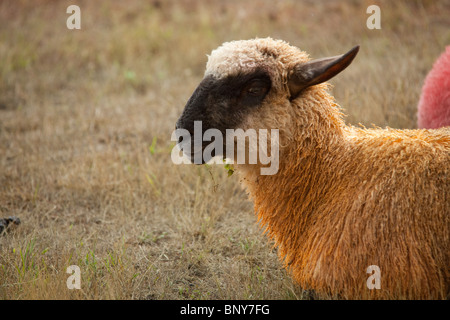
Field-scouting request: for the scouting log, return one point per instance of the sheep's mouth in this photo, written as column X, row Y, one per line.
column 196, row 152
column 203, row 152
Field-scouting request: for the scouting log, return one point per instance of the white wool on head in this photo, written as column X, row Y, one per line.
column 277, row 57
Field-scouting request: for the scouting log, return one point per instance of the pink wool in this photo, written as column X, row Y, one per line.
column 434, row 103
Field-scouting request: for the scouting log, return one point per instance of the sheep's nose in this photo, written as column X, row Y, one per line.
column 178, row 135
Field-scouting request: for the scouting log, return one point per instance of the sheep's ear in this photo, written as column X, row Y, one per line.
column 317, row 71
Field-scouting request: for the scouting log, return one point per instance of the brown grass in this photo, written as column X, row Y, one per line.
column 85, row 124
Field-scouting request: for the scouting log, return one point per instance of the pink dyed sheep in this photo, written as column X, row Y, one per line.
column 434, row 103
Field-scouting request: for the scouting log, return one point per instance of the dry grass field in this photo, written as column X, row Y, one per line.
column 85, row 123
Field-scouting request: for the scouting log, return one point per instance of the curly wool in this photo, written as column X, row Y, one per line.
column 347, row 200
column 434, row 103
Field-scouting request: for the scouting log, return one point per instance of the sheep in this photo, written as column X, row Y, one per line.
column 434, row 104
column 344, row 198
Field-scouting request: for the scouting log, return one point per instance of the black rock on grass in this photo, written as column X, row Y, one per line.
column 6, row 223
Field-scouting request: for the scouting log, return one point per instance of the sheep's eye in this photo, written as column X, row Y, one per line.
column 257, row 88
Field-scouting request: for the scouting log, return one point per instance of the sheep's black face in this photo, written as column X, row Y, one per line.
column 224, row 103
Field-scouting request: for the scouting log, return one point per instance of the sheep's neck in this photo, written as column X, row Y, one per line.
column 287, row 203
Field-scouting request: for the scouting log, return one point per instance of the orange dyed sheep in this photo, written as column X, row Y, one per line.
column 344, row 198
